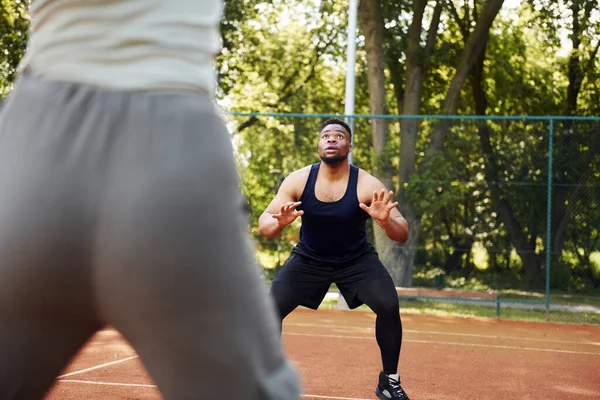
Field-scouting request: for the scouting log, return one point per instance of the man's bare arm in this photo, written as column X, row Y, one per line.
column 383, row 211
column 282, row 210
column 395, row 227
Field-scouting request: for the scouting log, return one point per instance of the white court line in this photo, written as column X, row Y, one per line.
column 329, row 336
column 316, row 396
column 107, row 383
column 460, row 334
column 331, row 397
column 97, row 367
column 503, row 337
column 489, row 346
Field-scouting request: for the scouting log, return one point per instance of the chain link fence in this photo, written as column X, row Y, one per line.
column 504, row 214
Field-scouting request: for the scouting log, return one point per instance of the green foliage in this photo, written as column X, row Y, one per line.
column 14, row 25
column 520, row 66
column 290, row 56
column 290, row 61
column 523, row 75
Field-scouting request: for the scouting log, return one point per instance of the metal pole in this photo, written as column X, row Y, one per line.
column 350, row 68
column 350, row 88
column 548, row 217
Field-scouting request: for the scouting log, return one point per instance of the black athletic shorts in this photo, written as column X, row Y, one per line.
column 314, row 277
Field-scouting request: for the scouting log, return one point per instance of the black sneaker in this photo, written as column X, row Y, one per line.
column 389, row 387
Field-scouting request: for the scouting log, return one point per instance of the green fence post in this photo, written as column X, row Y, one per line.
column 498, row 305
column 548, row 217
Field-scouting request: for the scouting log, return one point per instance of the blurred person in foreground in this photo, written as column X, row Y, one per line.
column 120, row 206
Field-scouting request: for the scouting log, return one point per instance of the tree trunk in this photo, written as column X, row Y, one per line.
column 475, row 44
column 371, row 23
column 462, row 243
column 402, row 255
column 564, row 197
column 525, row 248
column 399, row 258
column 574, row 73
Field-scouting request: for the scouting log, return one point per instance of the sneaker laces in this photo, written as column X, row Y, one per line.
column 394, row 384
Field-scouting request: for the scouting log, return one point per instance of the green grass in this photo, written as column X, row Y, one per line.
column 555, row 298
column 442, row 308
column 427, row 307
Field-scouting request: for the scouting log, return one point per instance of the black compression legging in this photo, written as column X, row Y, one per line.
column 380, row 295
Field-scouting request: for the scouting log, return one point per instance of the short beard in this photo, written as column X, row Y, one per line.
column 333, row 159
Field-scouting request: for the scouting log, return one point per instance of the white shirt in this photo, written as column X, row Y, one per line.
column 126, row 44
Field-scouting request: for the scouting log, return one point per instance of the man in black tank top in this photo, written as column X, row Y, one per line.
column 334, row 200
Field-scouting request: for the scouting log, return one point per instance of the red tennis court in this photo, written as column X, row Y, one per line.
column 443, row 358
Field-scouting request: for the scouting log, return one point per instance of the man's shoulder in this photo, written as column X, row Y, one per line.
column 365, row 177
column 305, row 169
column 367, row 183
column 301, row 173
column 297, row 179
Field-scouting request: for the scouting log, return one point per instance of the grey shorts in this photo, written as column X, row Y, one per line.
column 123, row 209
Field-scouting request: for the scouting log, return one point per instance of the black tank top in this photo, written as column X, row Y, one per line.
column 332, row 231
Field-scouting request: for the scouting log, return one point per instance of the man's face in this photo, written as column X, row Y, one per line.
column 334, row 144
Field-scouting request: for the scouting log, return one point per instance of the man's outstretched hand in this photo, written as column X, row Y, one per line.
column 287, row 213
column 380, row 205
